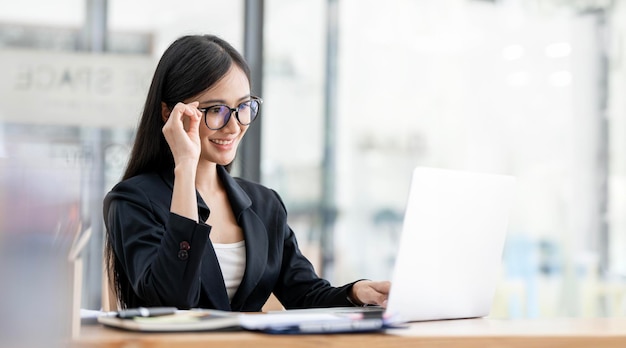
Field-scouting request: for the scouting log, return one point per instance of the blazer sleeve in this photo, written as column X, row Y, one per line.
column 160, row 252
column 299, row 286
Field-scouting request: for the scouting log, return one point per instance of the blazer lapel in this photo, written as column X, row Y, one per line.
column 211, row 275
column 213, row 280
column 255, row 235
column 256, row 257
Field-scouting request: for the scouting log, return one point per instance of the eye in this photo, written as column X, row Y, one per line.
column 244, row 105
column 217, row 109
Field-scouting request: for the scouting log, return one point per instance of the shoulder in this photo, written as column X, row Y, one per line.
column 141, row 187
column 141, row 181
column 260, row 194
column 254, row 189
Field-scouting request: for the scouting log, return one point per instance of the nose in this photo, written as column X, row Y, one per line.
column 232, row 126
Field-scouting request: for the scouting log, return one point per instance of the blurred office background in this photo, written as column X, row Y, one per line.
column 357, row 93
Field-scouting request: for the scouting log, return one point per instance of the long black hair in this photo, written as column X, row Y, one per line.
column 189, row 66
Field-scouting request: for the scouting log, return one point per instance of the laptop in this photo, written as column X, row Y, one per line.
column 450, row 250
column 449, row 255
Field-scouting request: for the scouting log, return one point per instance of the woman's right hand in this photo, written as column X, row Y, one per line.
column 181, row 131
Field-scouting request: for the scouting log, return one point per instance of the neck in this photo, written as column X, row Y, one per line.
column 207, row 179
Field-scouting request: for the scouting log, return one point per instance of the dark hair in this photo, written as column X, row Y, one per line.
column 189, row 66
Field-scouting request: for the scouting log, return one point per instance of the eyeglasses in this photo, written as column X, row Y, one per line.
column 217, row 116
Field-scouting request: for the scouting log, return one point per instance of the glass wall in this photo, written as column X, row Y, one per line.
column 527, row 88
column 68, row 105
column 356, row 94
column 293, row 115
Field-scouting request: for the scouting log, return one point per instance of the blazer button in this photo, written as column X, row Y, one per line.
column 184, row 245
column 183, row 255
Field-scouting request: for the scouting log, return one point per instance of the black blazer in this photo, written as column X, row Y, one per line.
column 169, row 260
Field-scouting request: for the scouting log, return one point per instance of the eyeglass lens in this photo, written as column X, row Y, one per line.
column 218, row 116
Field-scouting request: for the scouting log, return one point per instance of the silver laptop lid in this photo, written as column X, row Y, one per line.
column 449, row 258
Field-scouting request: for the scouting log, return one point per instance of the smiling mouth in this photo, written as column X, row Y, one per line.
column 221, row 142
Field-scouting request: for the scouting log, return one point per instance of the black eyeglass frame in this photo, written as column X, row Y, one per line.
column 230, row 113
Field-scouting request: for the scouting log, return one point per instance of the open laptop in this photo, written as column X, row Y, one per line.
column 449, row 255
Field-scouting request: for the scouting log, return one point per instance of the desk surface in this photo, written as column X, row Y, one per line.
column 571, row 333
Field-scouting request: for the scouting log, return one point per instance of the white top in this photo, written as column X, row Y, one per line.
column 232, row 259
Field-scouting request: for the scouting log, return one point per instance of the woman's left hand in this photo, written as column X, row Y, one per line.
column 371, row 292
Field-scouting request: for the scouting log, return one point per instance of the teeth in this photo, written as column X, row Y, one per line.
column 222, row 142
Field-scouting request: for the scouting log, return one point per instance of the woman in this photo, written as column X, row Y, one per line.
column 181, row 231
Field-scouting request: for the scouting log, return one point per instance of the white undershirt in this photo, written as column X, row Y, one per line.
column 232, row 259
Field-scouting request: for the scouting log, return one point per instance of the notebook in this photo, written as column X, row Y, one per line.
column 176, row 321
column 449, row 255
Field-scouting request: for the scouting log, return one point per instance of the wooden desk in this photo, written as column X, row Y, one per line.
column 484, row 333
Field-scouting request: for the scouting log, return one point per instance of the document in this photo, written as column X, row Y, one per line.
column 314, row 321
column 282, row 322
column 181, row 320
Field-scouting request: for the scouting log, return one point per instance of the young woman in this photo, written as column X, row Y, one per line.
column 180, row 230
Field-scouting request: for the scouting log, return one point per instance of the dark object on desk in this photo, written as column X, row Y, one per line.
column 179, row 321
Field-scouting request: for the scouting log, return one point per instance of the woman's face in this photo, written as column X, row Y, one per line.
column 220, row 146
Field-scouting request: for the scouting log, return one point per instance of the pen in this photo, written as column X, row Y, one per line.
column 145, row 312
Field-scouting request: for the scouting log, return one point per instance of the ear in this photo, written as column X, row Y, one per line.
column 165, row 112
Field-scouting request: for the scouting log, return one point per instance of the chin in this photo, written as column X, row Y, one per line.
column 225, row 161
column 219, row 159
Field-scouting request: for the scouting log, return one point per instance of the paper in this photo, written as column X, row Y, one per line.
column 313, row 322
column 271, row 320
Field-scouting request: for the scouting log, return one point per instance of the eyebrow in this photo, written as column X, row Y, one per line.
column 222, row 101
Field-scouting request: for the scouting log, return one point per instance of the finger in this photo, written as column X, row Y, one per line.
column 377, row 297
column 195, row 115
column 185, row 115
column 175, row 115
column 192, row 108
column 181, row 109
column 382, row 287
